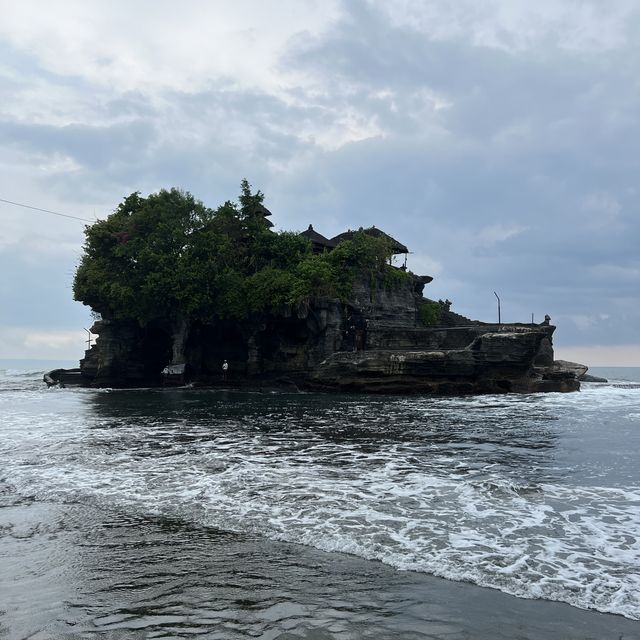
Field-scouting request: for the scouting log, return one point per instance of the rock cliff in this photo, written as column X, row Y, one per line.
column 373, row 342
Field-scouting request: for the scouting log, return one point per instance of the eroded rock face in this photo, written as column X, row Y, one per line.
column 577, row 369
column 116, row 356
column 312, row 345
column 126, row 354
column 494, row 362
column 589, row 378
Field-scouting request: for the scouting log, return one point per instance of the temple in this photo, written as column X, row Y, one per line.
column 384, row 336
column 319, row 243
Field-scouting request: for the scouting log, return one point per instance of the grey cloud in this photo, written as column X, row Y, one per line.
column 555, row 92
column 528, row 137
column 94, row 147
column 130, row 104
column 39, row 294
column 544, row 140
column 552, row 266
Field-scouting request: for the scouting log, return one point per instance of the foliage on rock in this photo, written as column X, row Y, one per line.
column 168, row 256
column 429, row 313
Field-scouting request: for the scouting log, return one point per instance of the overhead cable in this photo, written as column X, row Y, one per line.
column 55, row 213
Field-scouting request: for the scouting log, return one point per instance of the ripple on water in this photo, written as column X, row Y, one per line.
column 508, row 492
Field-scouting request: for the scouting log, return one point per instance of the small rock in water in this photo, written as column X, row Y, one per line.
column 589, row 378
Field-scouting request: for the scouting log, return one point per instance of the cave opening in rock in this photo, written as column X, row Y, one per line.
column 224, row 340
column 156, row 350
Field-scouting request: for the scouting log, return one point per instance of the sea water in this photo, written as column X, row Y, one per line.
column 537, row 496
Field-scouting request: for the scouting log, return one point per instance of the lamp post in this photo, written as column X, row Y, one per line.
column 498, row 297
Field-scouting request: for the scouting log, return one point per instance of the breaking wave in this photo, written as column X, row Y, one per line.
column 519, row 493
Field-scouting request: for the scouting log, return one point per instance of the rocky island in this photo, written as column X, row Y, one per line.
column 178, row 289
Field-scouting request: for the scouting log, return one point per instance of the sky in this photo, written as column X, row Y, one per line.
column 499, row 140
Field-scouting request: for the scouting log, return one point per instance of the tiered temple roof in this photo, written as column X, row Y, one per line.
column 319, row 242
column 396, row 246
column 265, row 213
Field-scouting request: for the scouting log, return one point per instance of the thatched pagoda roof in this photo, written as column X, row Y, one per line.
column 317, row 238
column 260, row 210
column 397, row 247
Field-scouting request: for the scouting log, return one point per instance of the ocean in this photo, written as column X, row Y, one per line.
column 182, row 513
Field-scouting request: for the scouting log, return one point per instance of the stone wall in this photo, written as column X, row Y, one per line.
column 312, row 345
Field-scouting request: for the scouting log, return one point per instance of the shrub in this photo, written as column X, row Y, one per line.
column 429, row 313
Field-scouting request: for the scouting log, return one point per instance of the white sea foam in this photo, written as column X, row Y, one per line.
column 485, row 505
column 21, row 373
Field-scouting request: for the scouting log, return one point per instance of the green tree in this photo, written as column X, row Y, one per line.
column 167, row 256
column 132, row 260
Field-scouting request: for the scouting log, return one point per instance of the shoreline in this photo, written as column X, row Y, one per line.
column 117, row 572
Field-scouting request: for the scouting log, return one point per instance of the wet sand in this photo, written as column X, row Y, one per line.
column 74, row 571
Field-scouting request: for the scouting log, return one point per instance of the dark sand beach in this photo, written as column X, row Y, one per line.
column 214, row 514
column 74, row 572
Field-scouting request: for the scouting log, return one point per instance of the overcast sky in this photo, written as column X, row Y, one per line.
column 499, row 140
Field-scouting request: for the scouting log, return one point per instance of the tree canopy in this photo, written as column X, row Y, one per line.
column 167, row 255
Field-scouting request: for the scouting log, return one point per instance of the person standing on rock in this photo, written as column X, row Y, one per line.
column 225, row 368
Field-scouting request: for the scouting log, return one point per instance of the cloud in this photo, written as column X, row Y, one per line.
column 37, row 293
column 621, row 355
column 18, row 342
column 497, row 233
column 154, row 46
column 497, row 140
column 51, row 340
column 603, row 209
column 518, row 25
